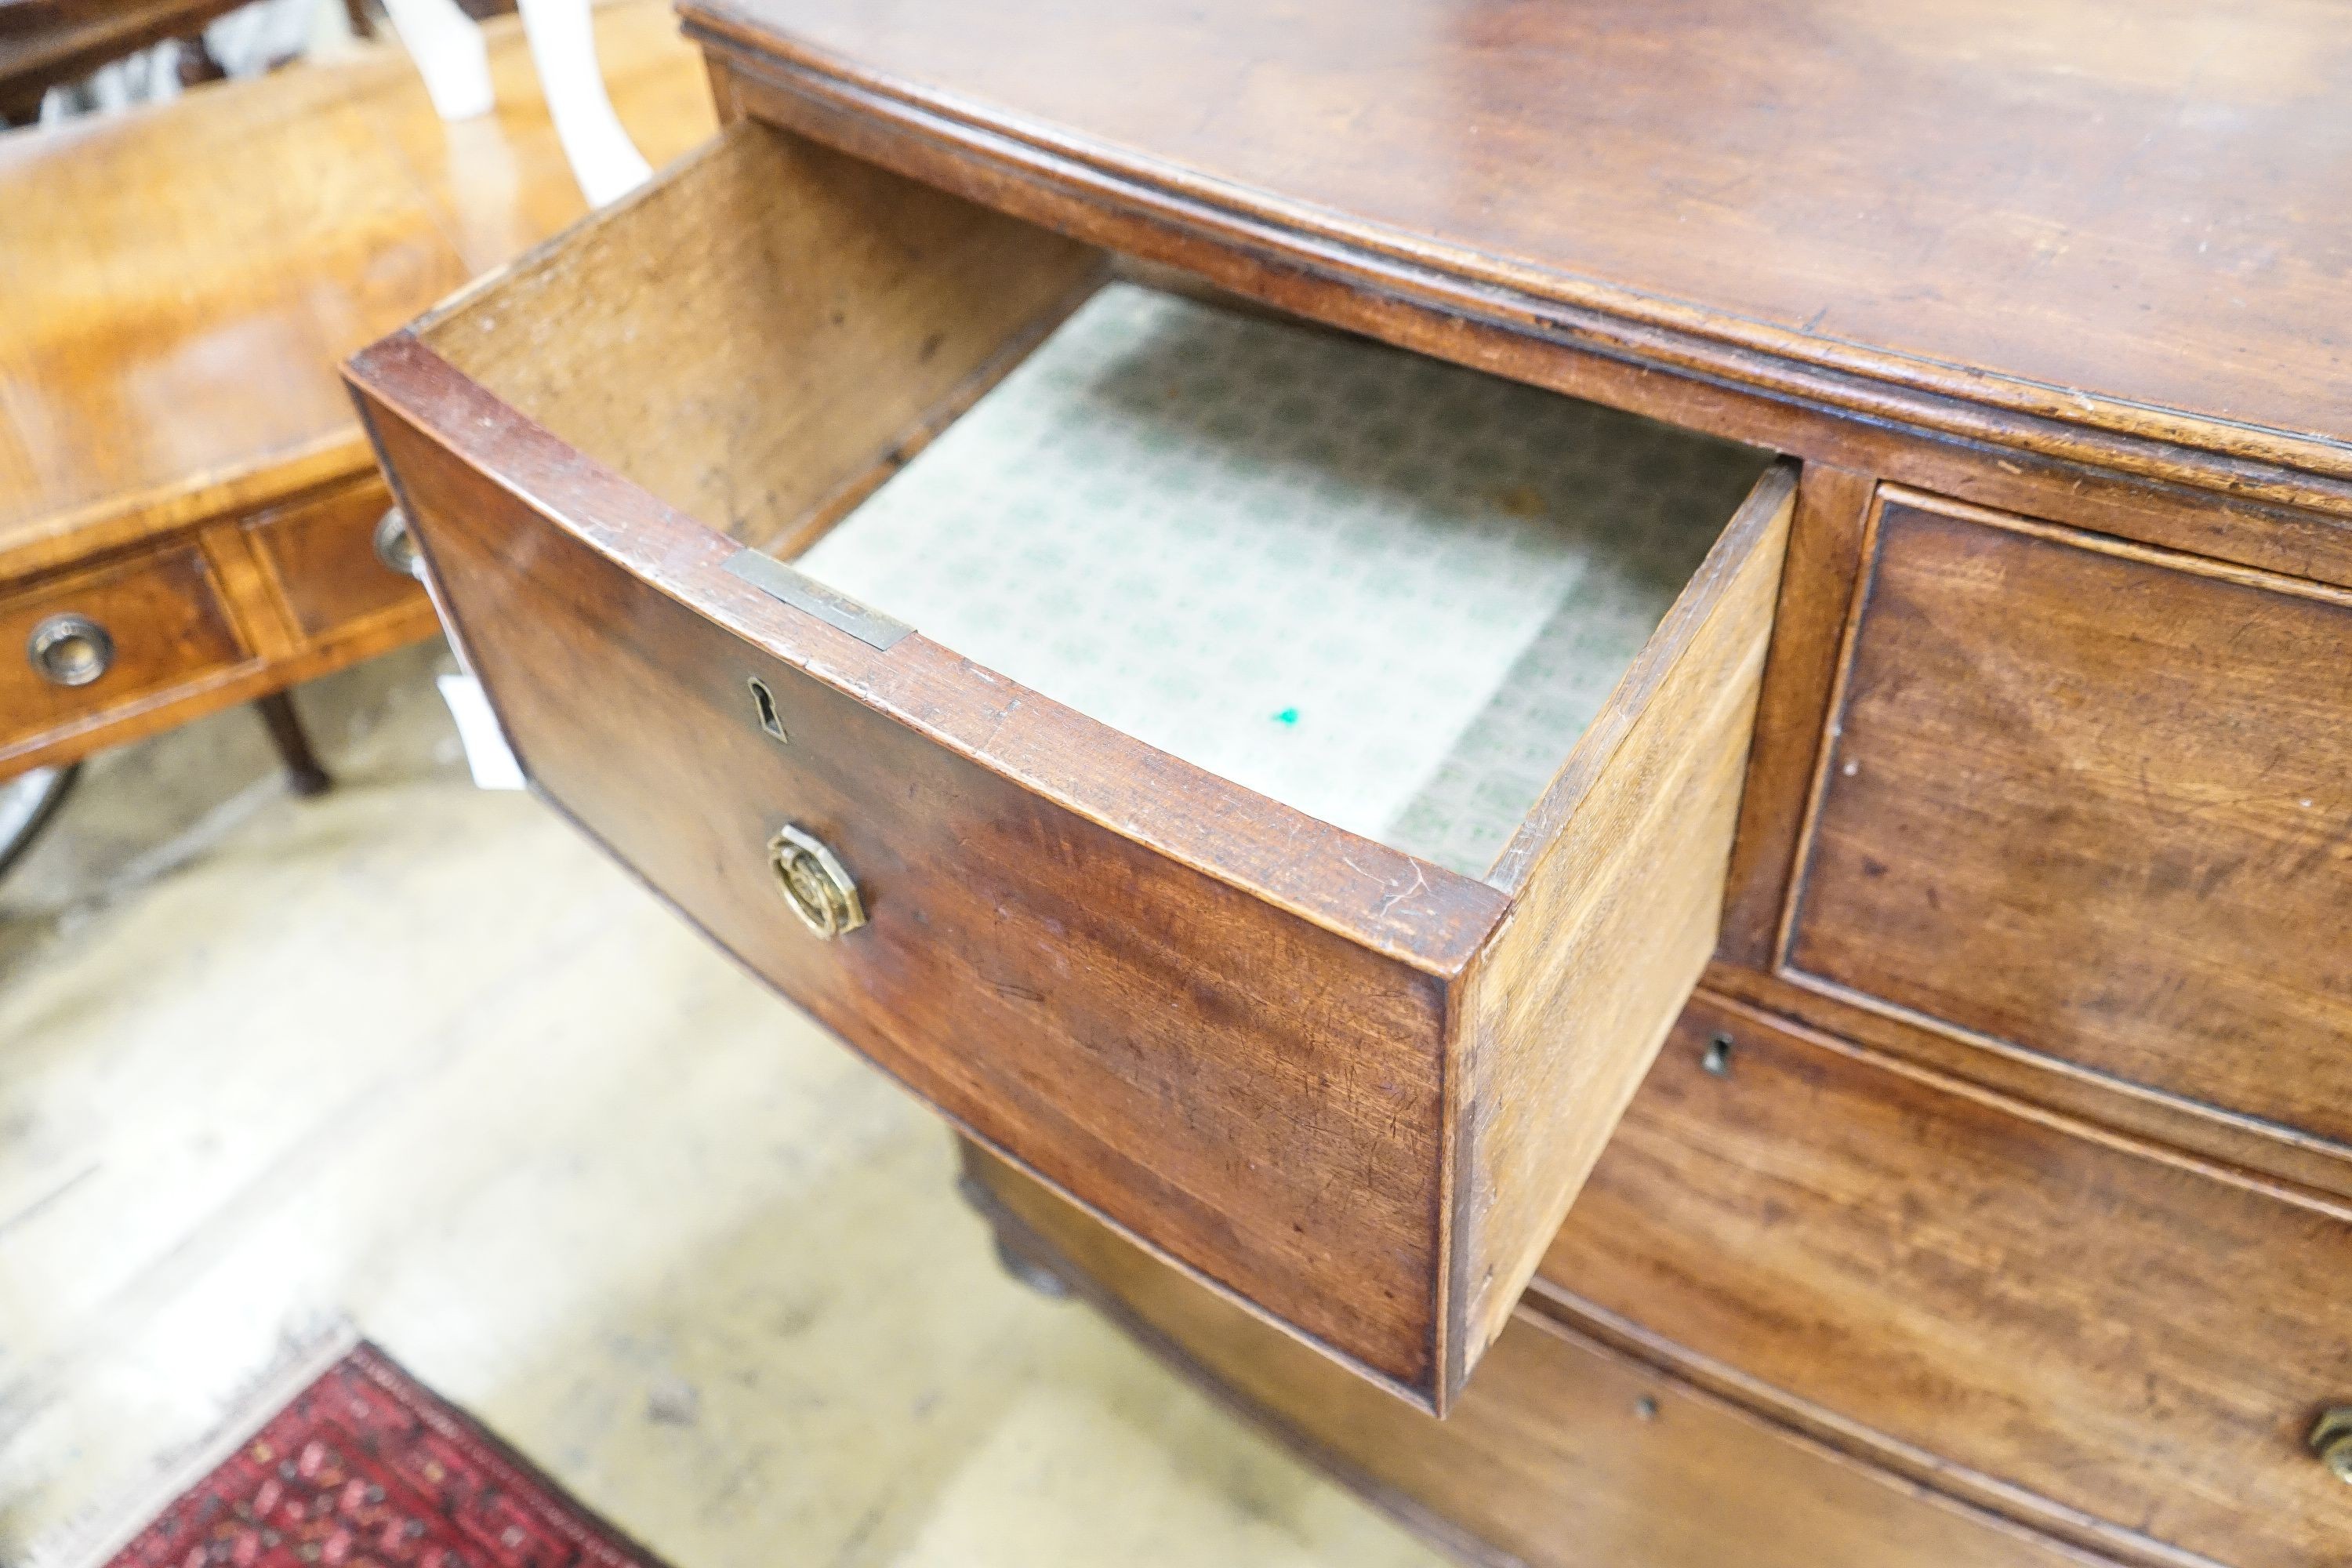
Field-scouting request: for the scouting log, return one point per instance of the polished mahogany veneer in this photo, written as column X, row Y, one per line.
column 1988, row 1201
column 2100, row 229
column 179, row 463
column 1197, row 1009
column 2087, row 801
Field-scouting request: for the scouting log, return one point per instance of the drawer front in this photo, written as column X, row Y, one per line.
column 2094, row 802
column 161, row 625
column 1354, row 1088
column 1561, row 1454
column 1198, row 1062
column 2004, row 1303
column 322, row 556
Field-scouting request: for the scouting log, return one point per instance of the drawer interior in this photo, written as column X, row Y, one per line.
column 1387, row 591
column 1270, row 765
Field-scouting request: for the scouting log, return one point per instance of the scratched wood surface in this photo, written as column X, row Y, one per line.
column 177, row 459
column 2051, row 1318
column 1561, row 1454
column 1618, row 879
column 824, row 318
column 2089, row 802
column 1005, row 973
column 2098, row 228
column 577, row 1170
column 182, row 280
column 2089, row 1332
column 1133, row 1027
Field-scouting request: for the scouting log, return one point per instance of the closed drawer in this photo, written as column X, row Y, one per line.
column 88, row 647
column 1562, row 1454
column 2094, row 802
column 322, row 556
column 1243, row 631
column 2110, row 1340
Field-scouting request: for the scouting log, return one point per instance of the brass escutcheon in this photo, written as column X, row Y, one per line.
column 763, row 704
column 2331, row 1439
column 813, row 882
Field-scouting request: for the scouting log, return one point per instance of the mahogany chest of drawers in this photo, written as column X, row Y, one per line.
column 1591, row 717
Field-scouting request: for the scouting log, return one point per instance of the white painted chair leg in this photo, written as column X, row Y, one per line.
column 447, row 48
column 564, row 47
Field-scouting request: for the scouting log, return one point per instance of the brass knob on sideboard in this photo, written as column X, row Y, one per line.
column 395, row 544
column 2331, row 1439
column 69, row 650
column 813, row 882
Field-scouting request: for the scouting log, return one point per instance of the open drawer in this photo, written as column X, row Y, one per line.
column 1303, row 801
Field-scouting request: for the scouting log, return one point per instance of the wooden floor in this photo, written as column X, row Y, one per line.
column 412, row 1056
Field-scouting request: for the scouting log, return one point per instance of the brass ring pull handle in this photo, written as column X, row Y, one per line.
column 396, row 545
column 70, row 650
column 2331, row 1439
column 813, row 882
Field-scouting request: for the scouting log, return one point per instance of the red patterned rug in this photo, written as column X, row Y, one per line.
column 365, row 1467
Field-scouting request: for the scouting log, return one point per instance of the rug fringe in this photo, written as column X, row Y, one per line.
column 93, row 1538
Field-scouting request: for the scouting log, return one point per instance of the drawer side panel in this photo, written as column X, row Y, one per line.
column 1620, row 875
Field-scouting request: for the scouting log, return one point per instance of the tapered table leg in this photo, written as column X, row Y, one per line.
column 303, row 773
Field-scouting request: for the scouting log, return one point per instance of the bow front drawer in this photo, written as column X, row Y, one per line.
column 1274, row 787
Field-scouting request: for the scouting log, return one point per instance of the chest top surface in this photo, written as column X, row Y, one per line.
column 2131, row 215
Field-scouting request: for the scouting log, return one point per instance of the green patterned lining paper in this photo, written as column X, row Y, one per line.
column 1389, row 592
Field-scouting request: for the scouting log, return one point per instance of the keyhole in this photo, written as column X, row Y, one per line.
column 1717, row 1057
column 765, row 702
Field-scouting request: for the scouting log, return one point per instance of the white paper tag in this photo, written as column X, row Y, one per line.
column 492, row 760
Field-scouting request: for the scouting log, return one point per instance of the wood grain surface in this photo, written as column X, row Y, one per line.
column 817, row 318
column 2259, row 515
column 1809, row 631
column 779, row 405
column 1082, row 950
column 2090, row 802
column 2059, row 226
column 182, row 280
column 319, row 555
column 171, row 628
column 2120, row 1343
column 1352, row 1093
column 1561, row 1454
column 1202, row 1065
column 1617, row 878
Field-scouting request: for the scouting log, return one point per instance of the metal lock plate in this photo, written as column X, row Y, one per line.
column 764, row 705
